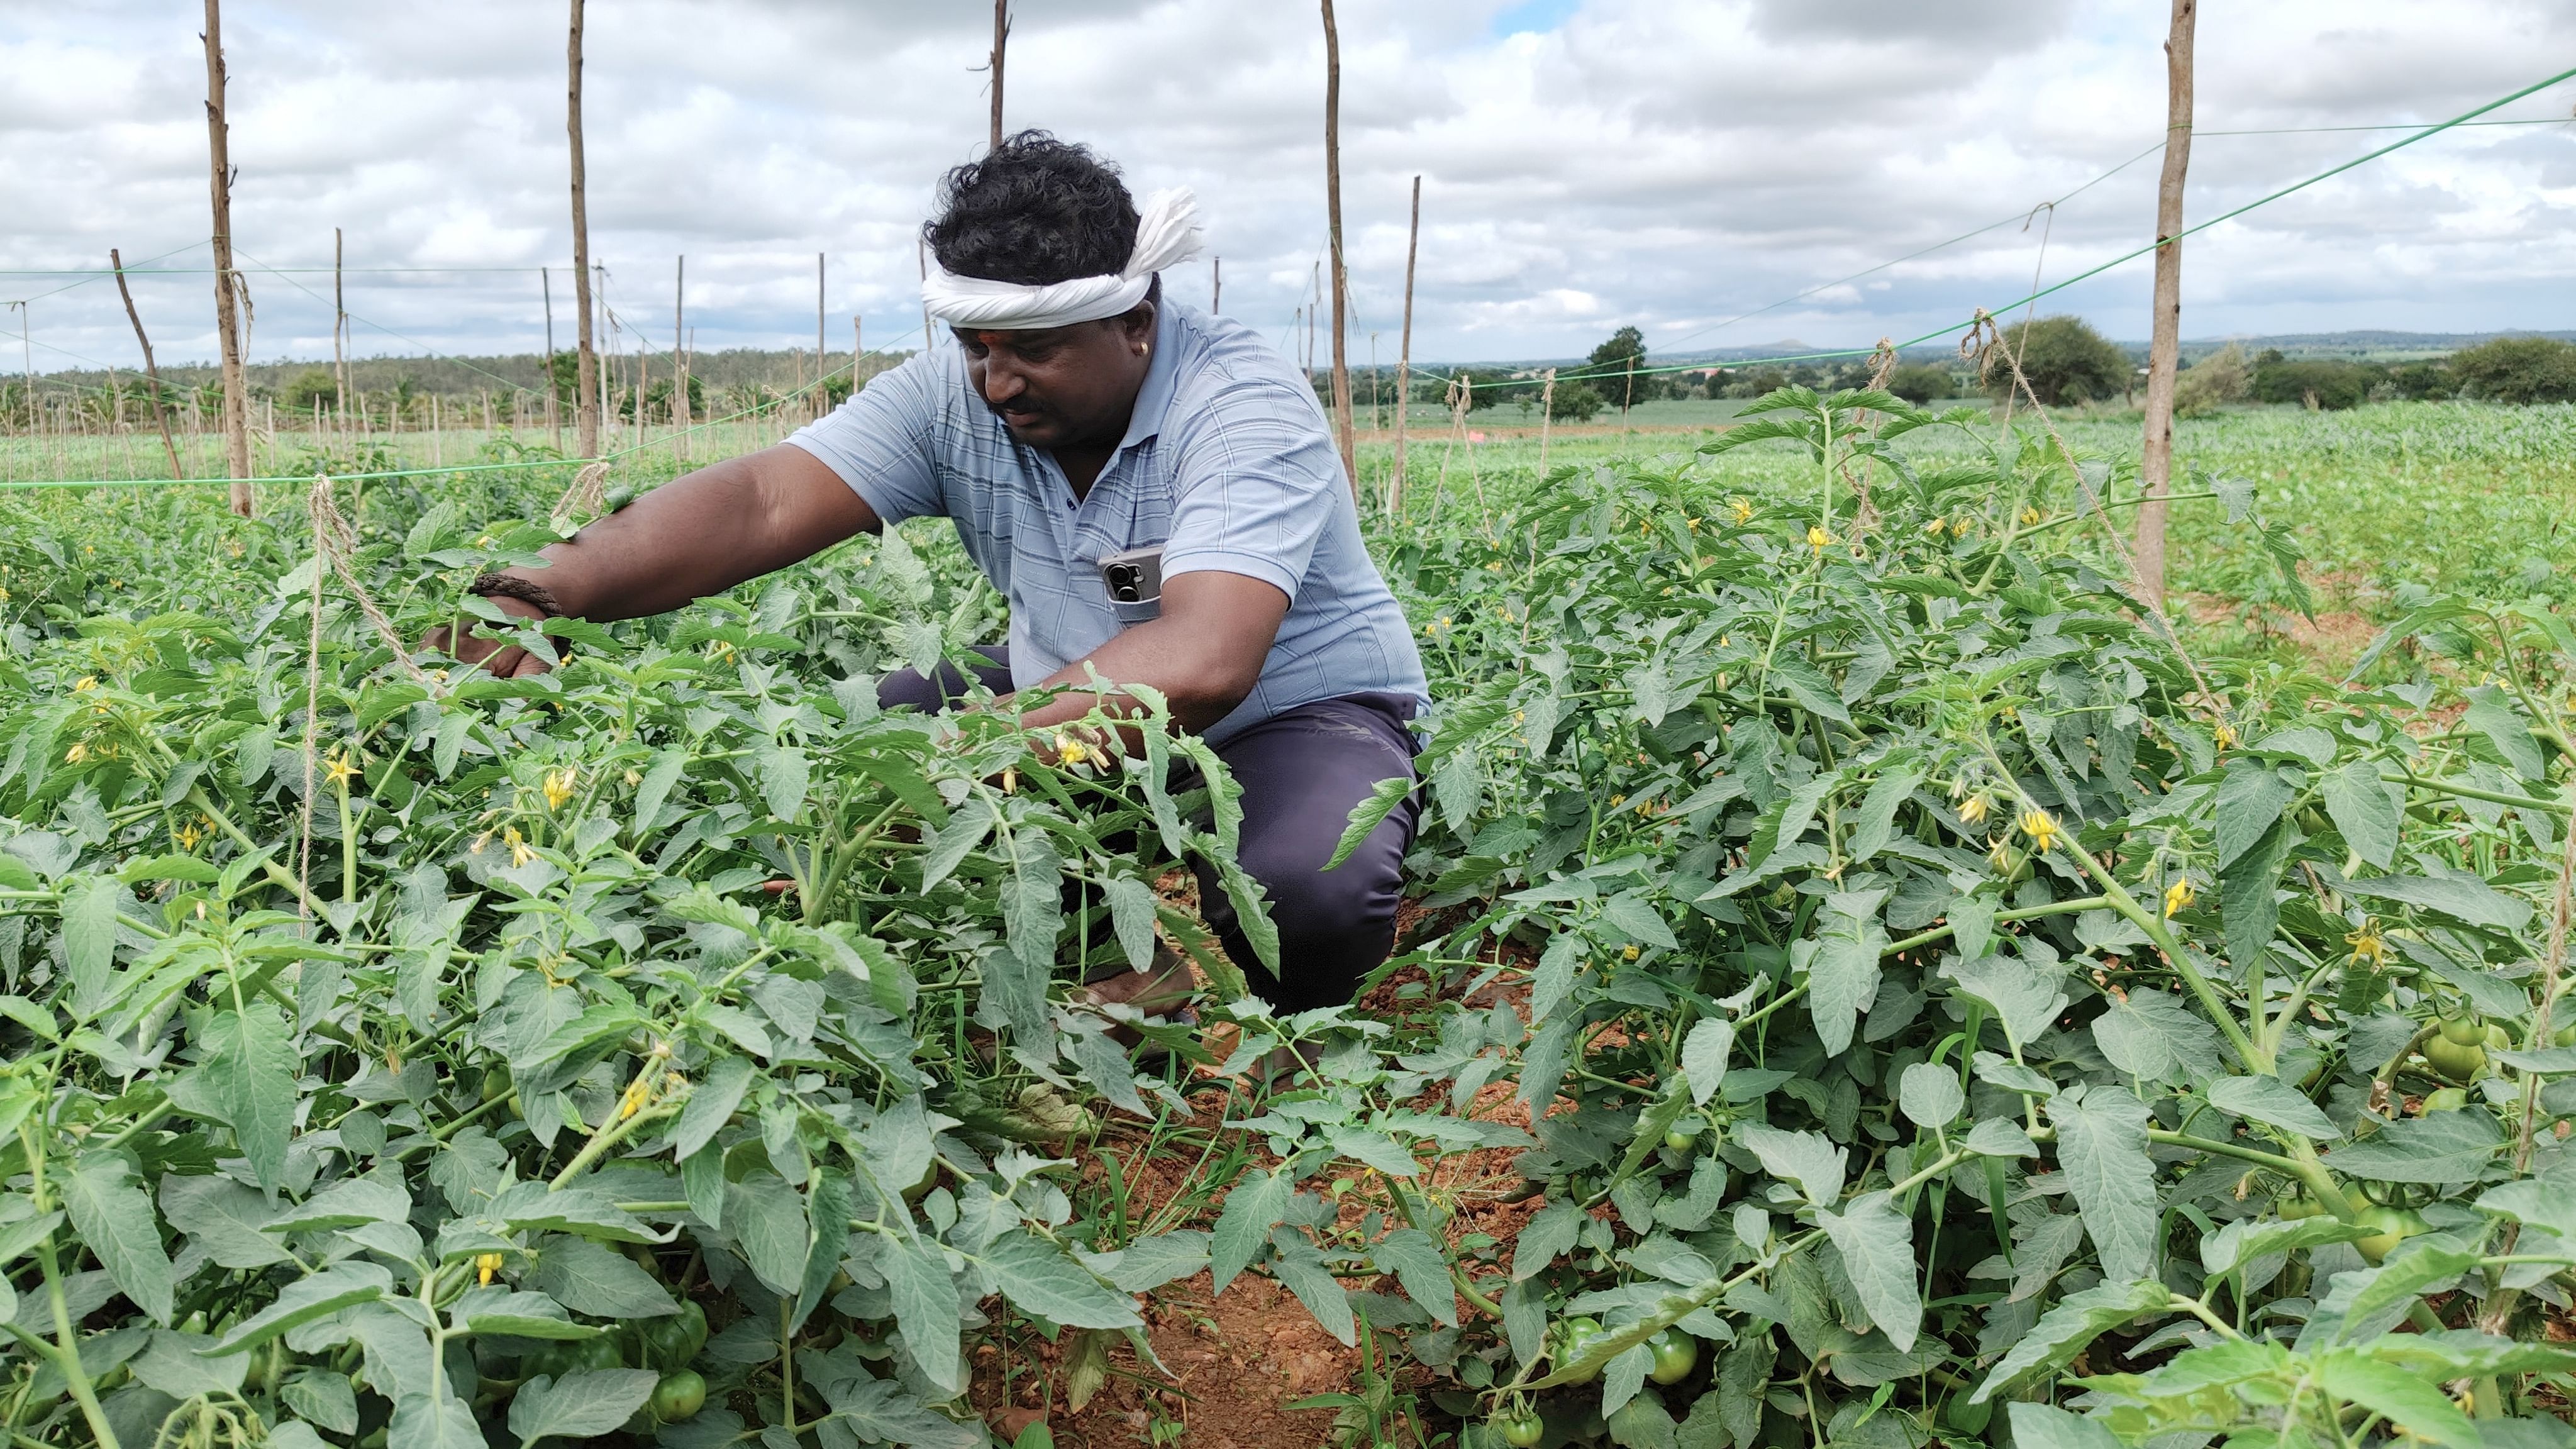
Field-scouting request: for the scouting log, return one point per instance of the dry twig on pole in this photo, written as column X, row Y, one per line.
column 151, row 369
column 1404, row 354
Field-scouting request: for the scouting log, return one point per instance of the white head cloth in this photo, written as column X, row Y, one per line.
column 1167, row 233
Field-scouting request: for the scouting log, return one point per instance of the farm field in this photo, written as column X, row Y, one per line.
column 1860, row 973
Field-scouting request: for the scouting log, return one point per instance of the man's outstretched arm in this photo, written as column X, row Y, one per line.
column 698, row 535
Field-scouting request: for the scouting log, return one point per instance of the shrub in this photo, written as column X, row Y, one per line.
column 2221, row 377
column 312, row 385
column 1575, row 402
column 1754, row 383
column 2429, row 381
column 2065, row 360
column 2326, row 383
column 2518, row 370
column 1921, row 382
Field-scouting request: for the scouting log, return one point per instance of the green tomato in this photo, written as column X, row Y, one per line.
column 2294, row 1206
column 2564, row 1036
column 1676, row 1354
column 670, row 1342
column 2389, row 1226
column 1574, row 1335
column 2498, row 1039
column 1521, row 1430
column 2463, row 1031
column 2445, row 1099
column 601, row 1351
column 1679, row 1140
column 2461, row 1062
column 679, row 1396
column 496, row 1082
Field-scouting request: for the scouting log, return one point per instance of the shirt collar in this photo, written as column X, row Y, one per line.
column 1154, row 398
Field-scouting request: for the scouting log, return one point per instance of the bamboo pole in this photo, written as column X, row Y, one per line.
column 151, row 369
column 339, row 332
column 2164, row 348
column 921, row 256
column 554, row 413
column 1404, row 354
column 1341, row 271
column 219, row 171
column 589, row 385
column 822, row 359
column 1001, row 43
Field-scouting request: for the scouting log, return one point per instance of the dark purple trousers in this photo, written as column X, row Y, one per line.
column 1301, row 772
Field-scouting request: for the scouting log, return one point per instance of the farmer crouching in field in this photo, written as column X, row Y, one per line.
column 1097, row 445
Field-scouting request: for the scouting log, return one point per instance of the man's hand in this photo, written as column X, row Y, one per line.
column 1204, row 654
column 697, row 535
column 503, row 660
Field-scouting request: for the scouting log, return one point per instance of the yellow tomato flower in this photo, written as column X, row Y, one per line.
column 1743, row 511
column 339, row 767
column 1070, row 751
column 485, row 1265
column 633, row 779
column 633, row 1102
column 75, row 754
column 85, row 683
column 1628, row 954
column 2031, row 515
column 1934, row 528
column 520, row 851
column 2177, row 896
column 559, row 785
column 2226, row 734
column 2043, row 832
column 2367, row 947
column 1973, row 809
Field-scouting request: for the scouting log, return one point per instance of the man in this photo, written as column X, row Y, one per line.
column 1082, row 422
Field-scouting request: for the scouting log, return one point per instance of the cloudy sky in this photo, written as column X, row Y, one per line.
column 1585, row 163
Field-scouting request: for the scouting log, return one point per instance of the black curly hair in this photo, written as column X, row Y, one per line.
column 1033, row 210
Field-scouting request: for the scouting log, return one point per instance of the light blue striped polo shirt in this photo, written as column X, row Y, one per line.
column 1228, row 464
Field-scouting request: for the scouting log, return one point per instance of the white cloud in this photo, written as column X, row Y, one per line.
column 1585, row 165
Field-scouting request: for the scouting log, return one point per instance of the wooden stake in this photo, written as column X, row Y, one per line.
column 1216, row 286
column 554, row 414
column 2164, row 348
column 822, row 359
column 1546, row 410
column 679, row 360
column 151, row 369
column 1001, row 43
column 590, row 386
column 1341, row 272
column 219, row 170
column 1404, row 354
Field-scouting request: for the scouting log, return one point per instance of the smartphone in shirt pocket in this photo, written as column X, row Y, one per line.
column 1134, row 579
